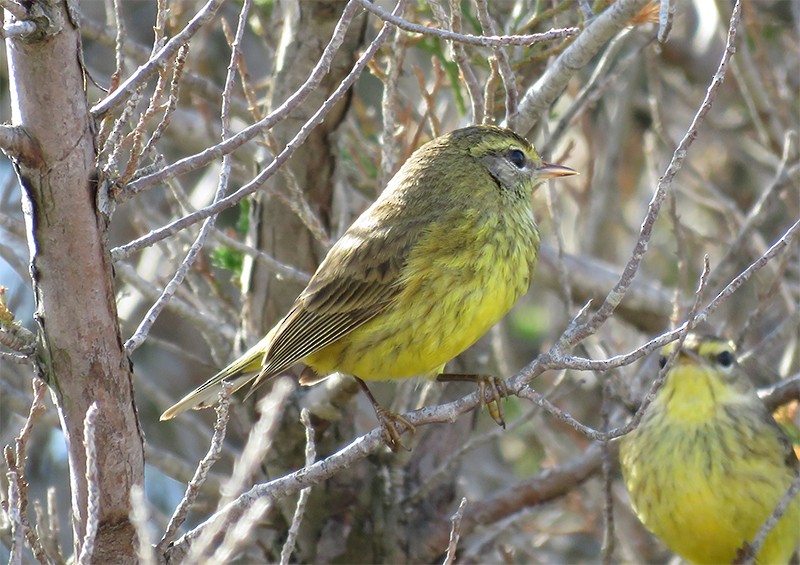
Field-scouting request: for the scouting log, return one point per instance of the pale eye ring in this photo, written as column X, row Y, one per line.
column 517, row 158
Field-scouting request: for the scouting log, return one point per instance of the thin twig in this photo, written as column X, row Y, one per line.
column 119, row 44
column 758, row 211
column 259, row 442
column 311, row 456
column 144, row 72
column 15, row 9
column 607, row 467
column 455, row 533
column 781, row 393
column 389, row 106
column 504, row 65
column 155, row 310
column 16, row 519
column 666, row 14
column 775, row 250
column 210, row 154
column 139, row 518
column 17, row 29
column 92, row 486
column 234, row 537
column 273, row 167
column 18, row 486
column 484, row 41
column 476, row 97
column 285, row 271
column 616, row 294
column 752, row 549
column 139, row 53
column 16, row 358
column 539, row 97
column 200, row 474
column 128, row 274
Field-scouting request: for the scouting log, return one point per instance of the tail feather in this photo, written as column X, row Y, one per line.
column 245, row 369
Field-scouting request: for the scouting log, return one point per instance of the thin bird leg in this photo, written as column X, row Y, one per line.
column 497, row 391
column 388, row 421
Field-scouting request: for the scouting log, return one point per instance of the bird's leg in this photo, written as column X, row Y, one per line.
column 497, row 391
column 388, row 421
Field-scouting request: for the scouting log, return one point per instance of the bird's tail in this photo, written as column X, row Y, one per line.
column 245, row 369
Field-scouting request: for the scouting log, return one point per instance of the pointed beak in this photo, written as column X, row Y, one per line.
column 549, row 171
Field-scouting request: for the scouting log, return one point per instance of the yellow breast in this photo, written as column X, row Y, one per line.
column 452, row 294
column 704, row 475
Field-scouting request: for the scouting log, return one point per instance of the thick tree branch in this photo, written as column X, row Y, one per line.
column 81, row 353
column 17, row 144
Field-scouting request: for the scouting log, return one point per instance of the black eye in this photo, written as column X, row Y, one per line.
column 662, row 361
column 725, row 359
column 517, row 158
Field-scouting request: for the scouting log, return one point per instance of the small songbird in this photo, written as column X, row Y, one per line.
column 443, row 253
column 707, row 464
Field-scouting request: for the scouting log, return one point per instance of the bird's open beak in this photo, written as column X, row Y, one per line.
column 549, row 171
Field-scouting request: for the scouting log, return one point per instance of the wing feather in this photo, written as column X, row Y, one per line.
column 359, row 279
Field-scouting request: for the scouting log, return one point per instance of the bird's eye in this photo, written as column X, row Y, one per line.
column 517, row 158
column 725, row 359
column 662, row 361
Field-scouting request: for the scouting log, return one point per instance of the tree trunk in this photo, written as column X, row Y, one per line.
column 81, row 353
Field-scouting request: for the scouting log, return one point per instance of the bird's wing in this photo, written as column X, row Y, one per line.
column 358, row 279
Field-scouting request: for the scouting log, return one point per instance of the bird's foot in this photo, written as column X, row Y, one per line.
column 497, row 391
column 389, row 422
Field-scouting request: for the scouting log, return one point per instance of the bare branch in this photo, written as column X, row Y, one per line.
column 751, row 550
column 543, row 487
column 139, row 518
column 775, row 250
column 16, row 358
column 455, row 533
column 551, row 84
column 18, row 29
column 16, row 142
column 18, row 487
column 504, row 65
column 144, row 72
column 259, row 441
column 666, row 13
column 228, row 146
column 618, row 292
column 211, row 457
column 93, row 487
column 177, row 279
column 269, row 170
column 311, row 456
column 782, row 393
column 484, row 41
column 15, row 9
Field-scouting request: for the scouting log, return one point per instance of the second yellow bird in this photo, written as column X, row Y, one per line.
column 707, row 465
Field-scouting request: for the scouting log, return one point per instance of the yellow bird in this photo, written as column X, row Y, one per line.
column 440, row 257
column 707, row 465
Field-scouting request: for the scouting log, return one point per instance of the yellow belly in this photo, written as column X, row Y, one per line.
column 452, row 295
column 705, row 493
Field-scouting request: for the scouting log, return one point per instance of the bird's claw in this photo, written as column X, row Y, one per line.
column 497, row 392
column 391, row 435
